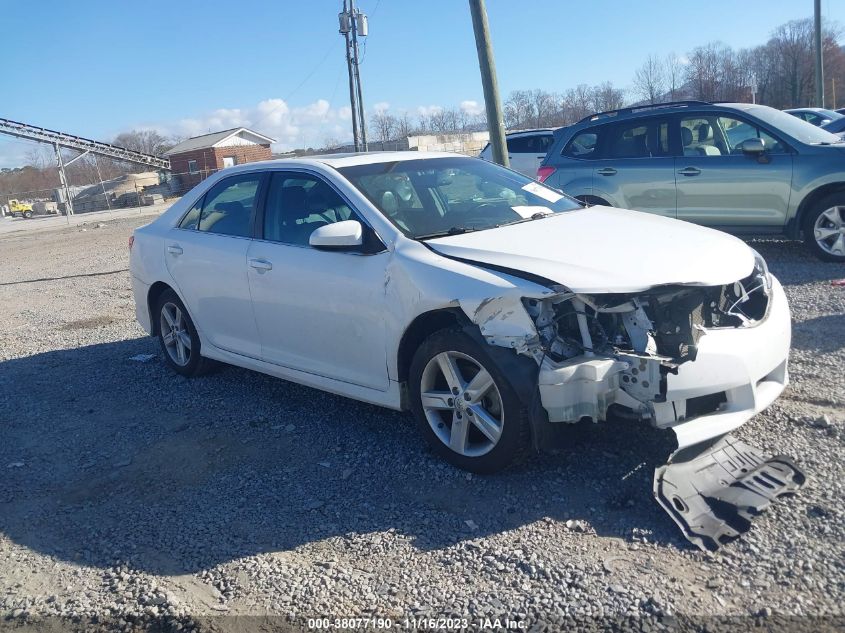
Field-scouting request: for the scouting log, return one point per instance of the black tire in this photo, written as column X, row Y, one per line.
column 195, row 364
column 514, row 440
column 813, row 214
column 27, row 214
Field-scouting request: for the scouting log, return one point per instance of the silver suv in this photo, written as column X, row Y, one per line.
column 742, row 168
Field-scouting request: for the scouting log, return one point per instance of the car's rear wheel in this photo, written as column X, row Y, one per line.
column 824, row 228
column 178, row 336
column 464, row 405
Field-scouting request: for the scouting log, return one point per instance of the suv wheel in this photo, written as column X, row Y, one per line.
column 824, row 228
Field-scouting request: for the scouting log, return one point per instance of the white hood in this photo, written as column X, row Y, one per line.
column 604, row 250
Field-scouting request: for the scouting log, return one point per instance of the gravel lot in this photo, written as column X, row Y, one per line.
column 127, row 492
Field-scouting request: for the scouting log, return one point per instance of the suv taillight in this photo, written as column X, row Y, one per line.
column 131, row 241
column 544, row 172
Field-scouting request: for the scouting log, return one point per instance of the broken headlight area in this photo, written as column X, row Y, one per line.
column 627, row 344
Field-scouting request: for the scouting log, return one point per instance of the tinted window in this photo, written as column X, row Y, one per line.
column 583, row 145
column 299, row 203
column 228, row 206
column 534, row 144
column 638, row 139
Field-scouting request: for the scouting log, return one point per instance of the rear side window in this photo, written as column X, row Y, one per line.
column 639, row 139
column 534, row 144
column 583, row 145
column 227, row 208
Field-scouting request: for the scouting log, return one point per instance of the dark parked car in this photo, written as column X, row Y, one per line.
column 743, row 168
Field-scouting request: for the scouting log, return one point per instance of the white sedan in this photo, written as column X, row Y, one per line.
column 490, row 305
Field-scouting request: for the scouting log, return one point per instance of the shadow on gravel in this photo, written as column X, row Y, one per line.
column 823, row 334
column 103, row 458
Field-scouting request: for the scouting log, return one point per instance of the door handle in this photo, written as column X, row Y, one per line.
column 607, row 171
column 689, row 171
column 174, row 249
column 261, row 265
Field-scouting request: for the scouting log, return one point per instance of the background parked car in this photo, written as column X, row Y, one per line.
column 816, row 116
column 835, row 127
column 526, row 150
column 742, row 168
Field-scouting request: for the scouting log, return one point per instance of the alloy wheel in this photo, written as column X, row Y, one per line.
column 829, row 231
column 174, row 334
column 462, row 403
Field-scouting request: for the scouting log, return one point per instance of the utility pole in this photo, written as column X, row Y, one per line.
column 353, row 23
column 492, row 103
column 819, row 67
column 359, row 27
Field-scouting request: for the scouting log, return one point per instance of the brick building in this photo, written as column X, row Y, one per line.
column 197, row 158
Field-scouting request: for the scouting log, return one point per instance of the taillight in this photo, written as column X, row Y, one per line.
column 131, row 241
column 544, row 172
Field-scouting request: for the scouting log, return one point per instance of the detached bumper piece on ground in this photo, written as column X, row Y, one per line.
column 714, row 493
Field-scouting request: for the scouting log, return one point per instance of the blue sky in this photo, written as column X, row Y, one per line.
column 99, row 67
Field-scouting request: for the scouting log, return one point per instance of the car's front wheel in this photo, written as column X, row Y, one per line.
column 824, row 228
column 178, row 336
column 464, row 406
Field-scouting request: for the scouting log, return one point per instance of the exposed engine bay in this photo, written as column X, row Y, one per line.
column 625, row 346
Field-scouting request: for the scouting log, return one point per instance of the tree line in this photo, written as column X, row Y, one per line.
column 779, row 73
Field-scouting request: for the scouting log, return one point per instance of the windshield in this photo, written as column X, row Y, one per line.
column 797, row 128
column 433, row 197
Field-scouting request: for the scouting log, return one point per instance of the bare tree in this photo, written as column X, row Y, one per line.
column 650, row 80
column 404, row 126
column 519, row 110
column 674, row 75
column 146, row 141
column 605, row 97
column 383, row 126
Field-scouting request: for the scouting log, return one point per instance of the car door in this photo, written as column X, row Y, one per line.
column 206, row 256
column 637, row 167
column 318, row 311
column 719, row 185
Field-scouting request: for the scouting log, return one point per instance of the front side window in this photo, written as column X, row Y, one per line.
column 434, row 197
column 584, row 145
column 710, row 135
column 298, row 204
column 227, row 208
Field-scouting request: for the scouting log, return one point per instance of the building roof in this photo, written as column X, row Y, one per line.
column 216, row 138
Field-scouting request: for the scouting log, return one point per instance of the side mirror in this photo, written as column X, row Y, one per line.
column 753, row 146
column 345, row 235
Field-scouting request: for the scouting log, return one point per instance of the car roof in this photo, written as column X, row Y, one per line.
column 343, row 159
column 539, row 130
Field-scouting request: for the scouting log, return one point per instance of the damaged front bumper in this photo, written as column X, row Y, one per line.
column 737, row 373
column 713, row 484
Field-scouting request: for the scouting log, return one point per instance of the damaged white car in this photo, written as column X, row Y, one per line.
column 490, row 305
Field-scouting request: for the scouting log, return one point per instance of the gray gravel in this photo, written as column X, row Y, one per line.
column 128, row 493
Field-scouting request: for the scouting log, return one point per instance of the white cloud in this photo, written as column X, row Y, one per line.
column 381, row 107
column 471, row 107
column 292, row 126
column 429, row 110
